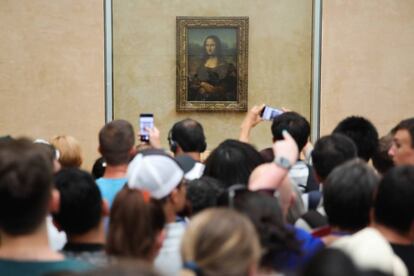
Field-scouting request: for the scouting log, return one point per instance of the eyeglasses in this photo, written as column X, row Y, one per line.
column 237, row 189
column 270, row 192
column 232, row 191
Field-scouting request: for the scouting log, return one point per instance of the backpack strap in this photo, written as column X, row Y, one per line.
column 314, row 197
column 311, row 184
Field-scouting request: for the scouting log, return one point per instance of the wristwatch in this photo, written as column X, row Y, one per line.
column 283, row 162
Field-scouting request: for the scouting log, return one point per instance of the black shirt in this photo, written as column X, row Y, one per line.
column 406, row 253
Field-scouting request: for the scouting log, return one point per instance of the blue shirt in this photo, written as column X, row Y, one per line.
column 291, row 261
column 38, row 268
column 109, row 187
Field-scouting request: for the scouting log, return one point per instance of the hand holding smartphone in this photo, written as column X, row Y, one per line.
column 269, row 113
column 146, row 121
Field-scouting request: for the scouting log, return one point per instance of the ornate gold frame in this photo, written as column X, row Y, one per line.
column 242, row 26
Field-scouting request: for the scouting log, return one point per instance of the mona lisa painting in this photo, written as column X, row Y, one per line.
column 212, row 63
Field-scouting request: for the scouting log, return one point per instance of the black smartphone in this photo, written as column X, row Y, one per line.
column 268, row 113
column 146, row 121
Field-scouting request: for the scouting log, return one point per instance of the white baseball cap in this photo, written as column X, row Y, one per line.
column 154, row 171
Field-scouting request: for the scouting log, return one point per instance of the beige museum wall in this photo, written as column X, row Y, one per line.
column 52, row 70
column 144, row 60
column 367, row 62
column 51, row 63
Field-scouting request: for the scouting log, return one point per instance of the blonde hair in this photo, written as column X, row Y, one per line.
column 221, row 242
column 69, row 149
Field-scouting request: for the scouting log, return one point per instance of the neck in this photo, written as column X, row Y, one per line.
column 33, row 246
column 118, row 171
column 169, row 212
column 95, row 235
column 393, row 236
column 193, row 154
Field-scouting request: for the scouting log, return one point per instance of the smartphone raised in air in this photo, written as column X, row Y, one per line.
column 269, row 113
column 146, row 121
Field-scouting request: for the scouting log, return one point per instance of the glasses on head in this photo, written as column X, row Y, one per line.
column 232, row 191
column 270, row 192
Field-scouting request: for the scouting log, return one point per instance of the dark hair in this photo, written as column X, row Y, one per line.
column 232, row 162
column 331, row 151
column 295, row 124
column 98, row 169
column 276, row 239
column 135, row 221
column 25, row 186
column 348, row 195
column 362, row 132
column 407, row 124
column 329, row 262
column 189, row 135
column 218, row 49
column 267, row 155
column 116, row 139
column 80, row 201
column 381, row 160
column 203, row 193
column 394, row 202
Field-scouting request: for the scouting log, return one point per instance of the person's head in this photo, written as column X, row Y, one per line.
column 187, row 136
column 402, row 148
column 331, row 151
column 116, row 142
column 135, row 225
column 70, row 154
column 212, row 46
column 263, row 209
column 362, row 132
column 348, row 195
column 159, row 174
column 220, row 242
column 81, row 207
column 381, row 160
column 295, row 124
column 204, row 193
column 26, row 176
column 232, row 162
column 394, row 204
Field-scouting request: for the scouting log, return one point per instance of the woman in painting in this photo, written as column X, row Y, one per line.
column 215, row 79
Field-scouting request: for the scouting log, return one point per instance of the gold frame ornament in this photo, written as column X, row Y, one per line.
column 212, row 63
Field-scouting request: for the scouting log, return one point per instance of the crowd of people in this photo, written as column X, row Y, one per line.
column 344, row 206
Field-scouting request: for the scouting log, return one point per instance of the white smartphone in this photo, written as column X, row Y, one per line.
column 146, row 120
column 269, row 113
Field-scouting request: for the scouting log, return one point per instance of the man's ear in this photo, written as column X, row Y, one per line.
column 174, row 196
column 133, row 151
column 54, row 203
column 100, row 150
column 179, row 150
column 105, row 208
